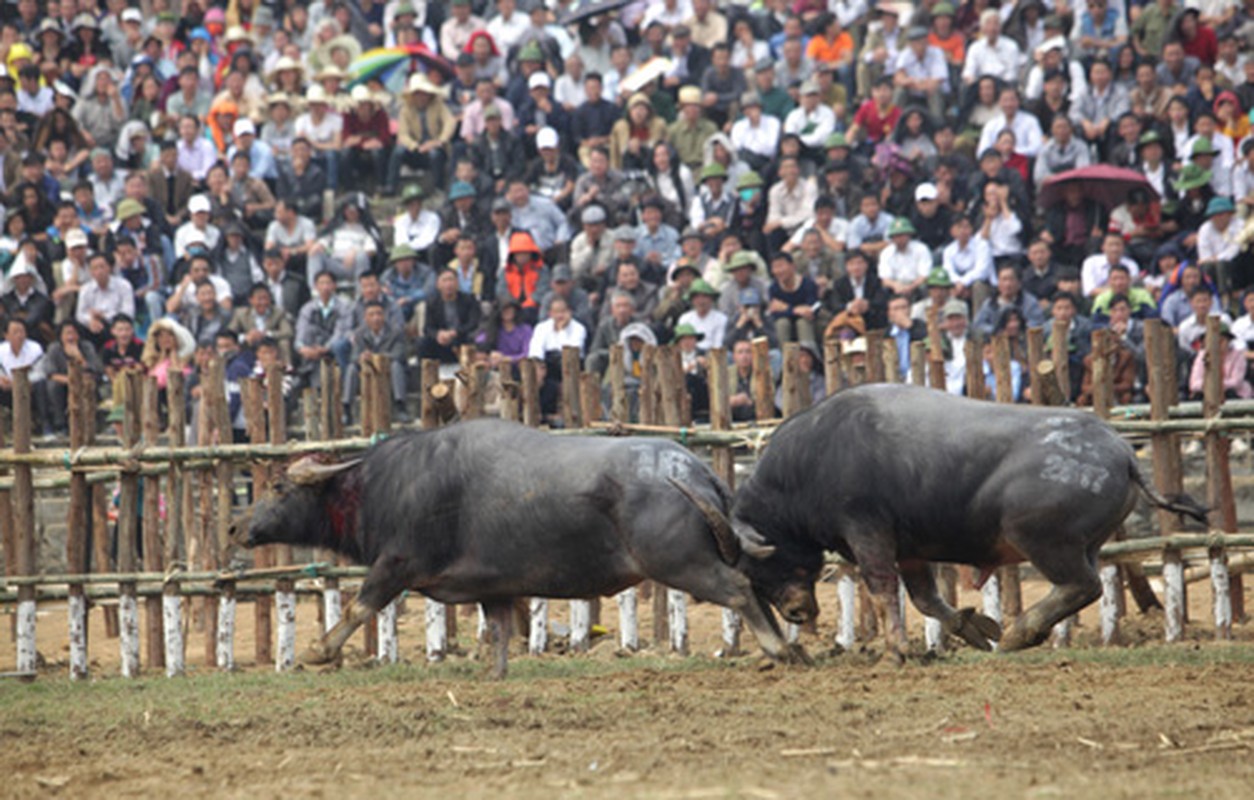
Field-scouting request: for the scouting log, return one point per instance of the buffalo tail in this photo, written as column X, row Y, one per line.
column 1179, row 503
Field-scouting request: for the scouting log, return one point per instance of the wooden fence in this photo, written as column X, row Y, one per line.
column 185, row 584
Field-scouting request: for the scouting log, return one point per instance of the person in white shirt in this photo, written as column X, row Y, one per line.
column 1218, row 241
column 1025, row 126
column 955, row 323
column 509, row 25
column 1095, row 271
column 416, row 226
column 813, row 121
column 755, row 135
column 18, row 351
column 920, row 74
column 704, row 317
column 906, row 262
column 102, row 298
column 992, row 54
column 196, row 229
column 560, row 330
column 967, row 259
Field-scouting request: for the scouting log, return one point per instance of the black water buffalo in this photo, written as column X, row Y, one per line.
column 894, row 477
column 489, row 511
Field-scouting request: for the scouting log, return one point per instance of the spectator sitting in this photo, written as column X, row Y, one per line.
column 206, row 318
column 452, row 320
column 415, row 227
column 673, row 300
column 22, row 299
column 1010, row 294
column 301, row 181
column 860, row 293
column 524, row 278
column 377, row 336
column 547, row 341
column 56, row 369
column 1140, row 302
column 990, row 377
column 406, row 281
column 618, row 312
column 1095, row 272
column 1233, row 369
column 1191, row 332
column 105, row 296
column 704, row 318
column 17, row 351
column 967, row 262
column 794, row 301
column 348, row 244
column 506, row 338
column 904, row 265
column 323, row 328
column 260, row 320
column 940, row 288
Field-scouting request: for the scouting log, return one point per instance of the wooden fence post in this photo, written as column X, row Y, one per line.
column 791, row 383
column 153, row 536
column 1036, row 352
column 1163, row 392
column 670, row 606
column 1008, row 576
column 219, row 538
column 570, row 410
column 76, row 522
column 386, row 648
column 763, row 382
column 620, row 410
column 724, row 466
column 875, row 357
column 918, row 363
column 846, row 583
column 263, row 557
column 128, row 519
column 181, row 516
column 284, row 588
column 1060, row 353
column 1218, row 478
column 24, row 522
column 1110, row 608
column 530, row 393
column 435, row 614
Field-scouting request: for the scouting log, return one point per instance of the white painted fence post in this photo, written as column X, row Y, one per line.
column 128, row 634
column 172, row 631
column 27, row 654
column 628, row 619
column 437, row 630
column 538, row 641
column 78, row 636
column 226, row 631
column 731, row 634
column 285, row 612
column 580, row 625
column 1173, row 580
column 332, row 606
column 389, row 648
column 934, row 635
column 847, row 592
column 677, row 608
column 1109, row 608
column 1221, row 589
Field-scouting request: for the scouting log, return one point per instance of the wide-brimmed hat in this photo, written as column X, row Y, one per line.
column 713, row 170
column 901, row 226
column 412, row 191
column 400, row 253
column 419, row 82
column 1148, row 138
column 186, row 342
column 1203, row 147
column 689, row 95
column 686, row 329
column 750, row 180
column 1192, row 176
column 741, row 260
column 701, row 286
column 938, row 278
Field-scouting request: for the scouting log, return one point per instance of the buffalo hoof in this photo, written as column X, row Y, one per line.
column 796, row 654
column 1019, row 638
column 317, row 655
column 974, row 628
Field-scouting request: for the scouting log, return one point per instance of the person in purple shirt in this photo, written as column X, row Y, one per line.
column 793, row 301
column 506, row 338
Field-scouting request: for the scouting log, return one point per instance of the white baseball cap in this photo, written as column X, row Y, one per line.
column 925, row 191
column 539, row 79
column 133, row 15
column 244, row 127
column 194, row 236
column 199, row 204
column 546, row 137
column 75, row 238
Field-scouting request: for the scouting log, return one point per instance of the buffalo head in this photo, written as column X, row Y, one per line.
column 295, row 510
column 782, row 575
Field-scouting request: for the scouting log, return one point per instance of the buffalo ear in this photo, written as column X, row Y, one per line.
column 308, row 472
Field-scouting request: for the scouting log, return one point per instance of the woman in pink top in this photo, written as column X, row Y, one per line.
column 1234, row 382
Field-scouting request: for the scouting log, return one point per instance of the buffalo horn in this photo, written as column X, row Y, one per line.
column 753, row 542
column 307, row 471
column 724, row 536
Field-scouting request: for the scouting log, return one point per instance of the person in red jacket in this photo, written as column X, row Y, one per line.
column 1199, row 40
column 525, row 277
column 367, row 140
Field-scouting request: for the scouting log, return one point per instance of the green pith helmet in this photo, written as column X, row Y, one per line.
column 939, row 278
column 750, row 180
column 701, row 286
column 714, row 170
column 901, row 227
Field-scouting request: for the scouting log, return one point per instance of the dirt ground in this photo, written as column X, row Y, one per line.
column 1141, row 720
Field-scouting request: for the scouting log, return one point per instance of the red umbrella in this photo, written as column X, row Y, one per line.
column 1106, row 184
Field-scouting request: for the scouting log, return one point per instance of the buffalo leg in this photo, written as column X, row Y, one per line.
column 384, row 583
column 975, row 628
column 1076, row 584
column 878, row 564
column 499, row 615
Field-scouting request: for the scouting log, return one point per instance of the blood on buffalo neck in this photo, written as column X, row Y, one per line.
column 342, row 503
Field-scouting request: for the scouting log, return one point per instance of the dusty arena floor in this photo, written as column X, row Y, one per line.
column 1145, row 720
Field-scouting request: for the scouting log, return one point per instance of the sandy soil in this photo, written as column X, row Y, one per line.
column 1144, row 720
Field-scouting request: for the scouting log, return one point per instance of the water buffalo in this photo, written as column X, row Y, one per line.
column 489, row 511
column 894, row 477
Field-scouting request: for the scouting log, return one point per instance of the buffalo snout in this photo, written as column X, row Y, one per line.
column 240, row 531
column 798, row 605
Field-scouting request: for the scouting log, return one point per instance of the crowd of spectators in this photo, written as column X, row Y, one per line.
column 285, row 183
